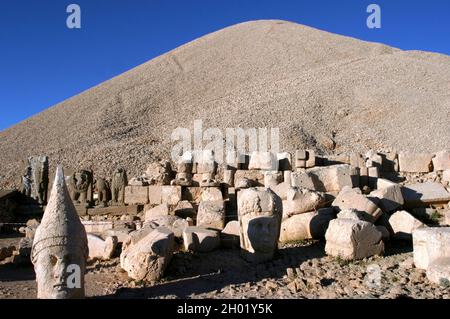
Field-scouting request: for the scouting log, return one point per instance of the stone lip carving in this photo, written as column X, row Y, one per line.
column 81, row 187
column 119, row 181
column 259, row 212
column 60, row 243
column 35, row 180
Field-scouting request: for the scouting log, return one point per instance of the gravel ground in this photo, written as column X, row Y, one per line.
column 311, row 84
column 299, row 270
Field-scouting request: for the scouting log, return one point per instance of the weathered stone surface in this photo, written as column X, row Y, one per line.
column 302, row 200
column 160, row 210
column 351, row 213
column 158, row 173
column 154, row 194
column 373, row 159
column 228, row 177
column 171, row 194
column 101, row 249
column 446, row 176
column 272, row 178
column 200, row 239
column 423, row 194
column 389, row 195
column 121, row 234
column 404, row 224
column 324, row 179
column 211, row 214
column 310, row 225
column 136, row 195
column 211, row 194
column 185, row 209
column 414, row 162
column 281, row 190
column 441, row 161
column 255, row 177
column 229, row 236
column 148, row 258
column 97, row 227
column 352, row 239
column 174, row 223
column 114, row 210
column 61, row 238
column 430, row 243
column 350, row 198
column 263, row 161
column 192, row 194
column 259, row 213
column 438, row 271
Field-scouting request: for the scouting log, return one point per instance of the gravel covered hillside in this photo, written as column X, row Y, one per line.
column 311, row 84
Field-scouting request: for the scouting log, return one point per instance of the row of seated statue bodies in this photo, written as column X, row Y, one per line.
column 82, row 185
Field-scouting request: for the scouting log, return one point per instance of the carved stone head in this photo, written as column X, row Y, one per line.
column 259, row 221
column 60, row 250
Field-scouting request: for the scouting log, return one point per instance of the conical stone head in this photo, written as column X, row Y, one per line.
column 60, row 247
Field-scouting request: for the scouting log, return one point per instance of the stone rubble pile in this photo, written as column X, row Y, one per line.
column 355, row 202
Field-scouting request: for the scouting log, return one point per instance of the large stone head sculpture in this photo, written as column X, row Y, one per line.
column 259, row 223
column 60, row 249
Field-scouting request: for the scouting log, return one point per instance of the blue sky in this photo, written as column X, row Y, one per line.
column 42, row 62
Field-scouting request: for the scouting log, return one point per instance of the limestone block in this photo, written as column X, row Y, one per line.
column 272, row 178
column 352, row 239
column 200, row 239
column 136, row 195
column 389, row 195
column 160, row 210
column 256, row 177
column 438, row 271
column 302, row 200
column 101, row 249
column 211, row 194
column 446, row 176
column 229, row 236
column 184, row 209
column 174, row 223
column 350, row 198
column 404, row 224
column 310, row 225
column 414, row 162
column 429, row 244
column 263, row 161
column 211, row 214
column 97, row 227
column 171, row 194
column 154, row 194
column 330, row 178
column 148, row 258
column 281, row 190
column 424, row 194
column 441, row 161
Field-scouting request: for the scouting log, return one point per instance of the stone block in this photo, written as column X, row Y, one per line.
column 351, row 239
column 350, row 198
column 148, row 258
column 429, row 244
column 171, row 194
column 160, row 210
column 414, row 162
column 441, row 161
column 136, row 195
column 211, row 214
column 404, row 224
column 200, row 239
column 425, row 194
column 101, row 249
column 229, row 236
